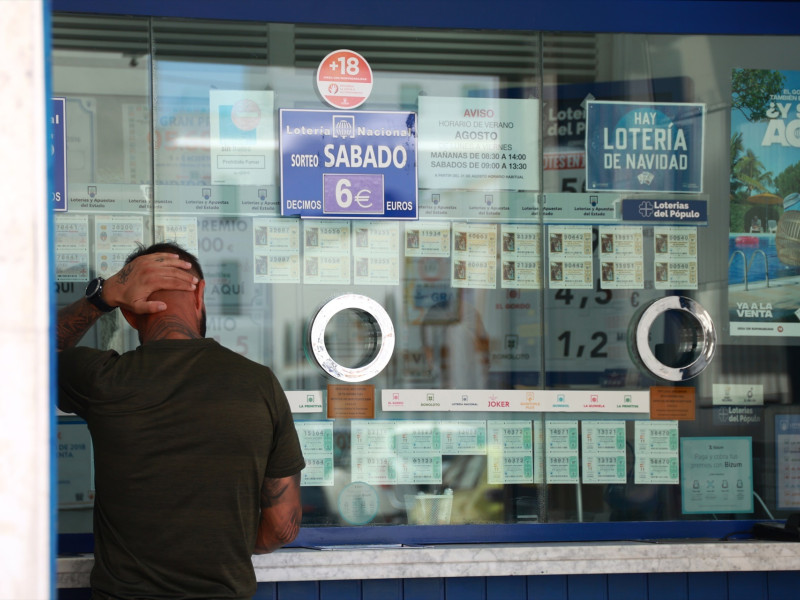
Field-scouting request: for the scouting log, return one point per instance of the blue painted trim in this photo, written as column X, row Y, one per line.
column 417, row 535
column 51, row 296
column 522, row 532
column 634, row 16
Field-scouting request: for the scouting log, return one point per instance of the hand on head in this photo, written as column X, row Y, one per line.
column 131, row 288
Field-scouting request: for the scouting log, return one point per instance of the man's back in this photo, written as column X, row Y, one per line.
column 184, row 432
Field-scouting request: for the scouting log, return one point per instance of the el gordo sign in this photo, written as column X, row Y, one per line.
column 344, row 79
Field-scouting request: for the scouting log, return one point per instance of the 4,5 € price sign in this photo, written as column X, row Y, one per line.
column 344, row 79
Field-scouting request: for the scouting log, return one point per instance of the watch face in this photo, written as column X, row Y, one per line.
column 94, row 286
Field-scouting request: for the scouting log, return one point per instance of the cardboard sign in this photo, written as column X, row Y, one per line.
column 672, row 403
column 351, row 401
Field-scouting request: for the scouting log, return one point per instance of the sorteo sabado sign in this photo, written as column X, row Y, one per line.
column 349, row 165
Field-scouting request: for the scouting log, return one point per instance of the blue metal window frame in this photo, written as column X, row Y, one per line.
column 710, row 17
column 614, row 16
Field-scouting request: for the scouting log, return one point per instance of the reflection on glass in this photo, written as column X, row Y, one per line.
column 514, row 280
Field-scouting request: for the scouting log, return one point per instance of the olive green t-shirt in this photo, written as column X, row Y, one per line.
column 183, row 432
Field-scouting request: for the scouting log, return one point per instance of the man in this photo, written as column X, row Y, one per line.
column 197, row 462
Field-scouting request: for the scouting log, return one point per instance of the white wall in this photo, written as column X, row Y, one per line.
column 25, row 548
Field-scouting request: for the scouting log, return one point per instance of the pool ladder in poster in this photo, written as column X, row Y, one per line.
column 747, row 265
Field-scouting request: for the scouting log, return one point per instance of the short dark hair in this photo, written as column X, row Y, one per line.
column 171, row 248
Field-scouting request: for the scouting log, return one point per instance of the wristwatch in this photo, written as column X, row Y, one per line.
column 94, row 294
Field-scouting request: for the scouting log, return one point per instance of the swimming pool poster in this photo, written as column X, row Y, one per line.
column 764, row 239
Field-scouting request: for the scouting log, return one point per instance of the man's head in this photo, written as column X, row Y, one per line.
column 172, row 248
column 186, row 311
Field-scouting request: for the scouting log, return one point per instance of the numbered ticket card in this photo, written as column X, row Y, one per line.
column 471, row 241
column 277, row 235
column 326, row 252
column 118, row 234
column 675, row 274
column 373, row 437
column 657, row 451
column 279, row 267
column 376, row 236
column 570, row 274
column 656, row 438
column 675, row 242
column 510, row 435
column 72, row 265
column 427, row 239
column 108, row 263
column 419, row 468
column 474, row 273
column 463, row 437
column 378, row 269
column 418, row 437
column 71, row 242
column 375, row 469
column 520, row 257
column 509, row 466
column 521, row 274
column 621, row 261
column 604, row 452
column 317, row 472
column 626, row 274
column 321, row 236
column 603, row 468
column 71, row 232
column 621, row 242
column 657, row 470
column 316, row 437
column 326, row 269
column 569, row 242
column 561, row 450
column 316, row 442
column 521, row 241
column 181, row 230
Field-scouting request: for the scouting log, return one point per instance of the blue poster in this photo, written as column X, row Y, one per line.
column 348, row 165
column 58, row 154
column 668, row 212
column 644, row 147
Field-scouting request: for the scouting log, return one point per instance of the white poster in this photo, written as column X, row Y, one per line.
column 486, row 143
column 242, row 137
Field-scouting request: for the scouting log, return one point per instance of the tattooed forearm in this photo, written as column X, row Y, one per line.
column 288, row 530
column 281, row 513
column 273, row 490
column 73, row 323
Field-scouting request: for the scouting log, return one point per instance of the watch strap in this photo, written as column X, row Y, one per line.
column 94, row 294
